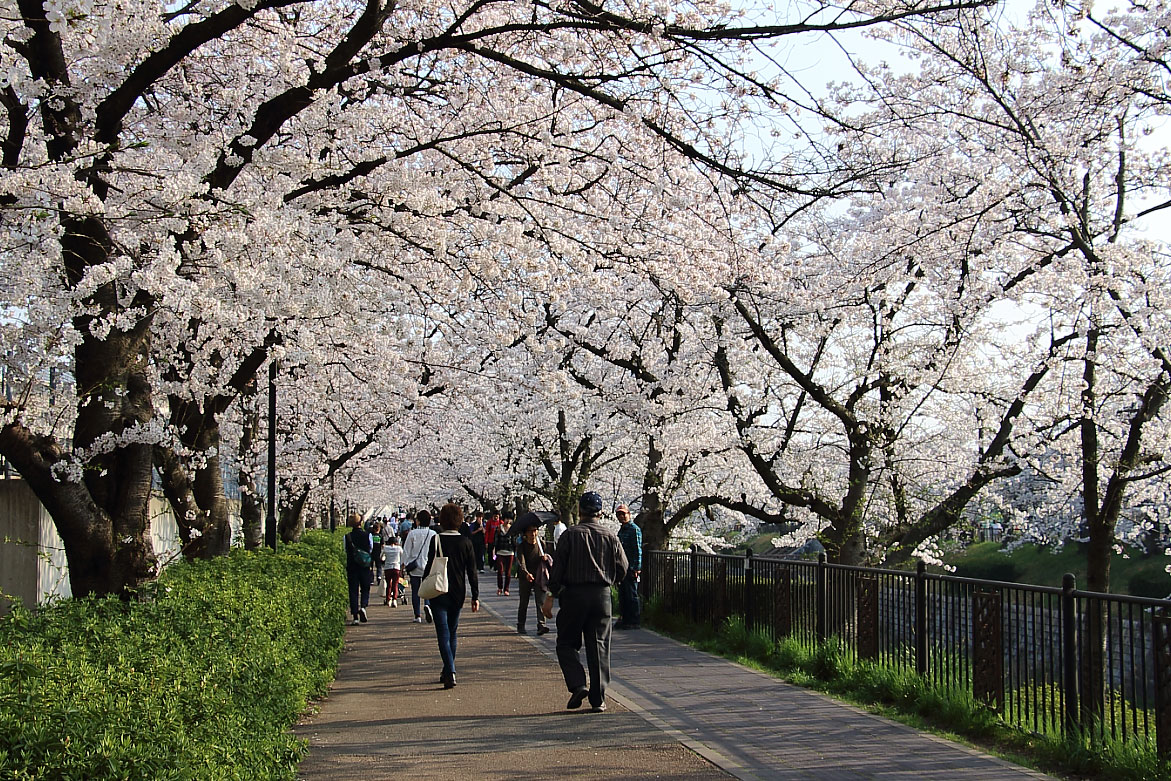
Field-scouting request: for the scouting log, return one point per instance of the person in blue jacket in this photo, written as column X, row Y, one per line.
column 630, row 536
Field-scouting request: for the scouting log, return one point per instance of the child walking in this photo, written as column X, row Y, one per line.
column 392, row 569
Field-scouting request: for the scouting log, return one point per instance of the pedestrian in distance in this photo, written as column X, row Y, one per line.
column 405, row 525
column 532, row 575
column 479, row 545
column 376, row 543
column 503, row 551
column 359, row 568
column 589, row 559
column 491, row 525
column 415, row 552
column 461, row 577
column 392, row 569
column 558, row 530
column 629, row 607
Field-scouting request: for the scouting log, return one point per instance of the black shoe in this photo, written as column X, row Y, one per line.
column 449, row 681
column 427, row 613
column 542, row 630
column 577, row 698
column 520, row 630
column 362, row 615
column 599, row 708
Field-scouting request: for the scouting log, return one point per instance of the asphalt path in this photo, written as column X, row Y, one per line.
column 673, row 713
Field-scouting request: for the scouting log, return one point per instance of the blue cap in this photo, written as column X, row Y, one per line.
column 590, row 503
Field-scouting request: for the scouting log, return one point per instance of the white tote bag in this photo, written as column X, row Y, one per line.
column 435, row 584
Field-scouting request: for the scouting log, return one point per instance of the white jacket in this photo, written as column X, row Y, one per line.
column 416, row 548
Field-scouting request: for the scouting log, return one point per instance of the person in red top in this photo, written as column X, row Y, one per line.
column 490, row 527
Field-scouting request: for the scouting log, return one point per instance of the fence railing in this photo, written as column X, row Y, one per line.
column 1055, row 661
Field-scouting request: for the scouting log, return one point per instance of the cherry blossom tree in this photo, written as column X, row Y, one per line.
column 183, row 185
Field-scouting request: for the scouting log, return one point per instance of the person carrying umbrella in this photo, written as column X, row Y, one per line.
column 532, row 569
column 588, row 560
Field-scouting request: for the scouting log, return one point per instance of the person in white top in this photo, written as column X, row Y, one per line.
column 557, row 530
column 392, row 569
column 416, row 548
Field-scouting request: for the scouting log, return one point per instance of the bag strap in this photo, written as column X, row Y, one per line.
column 432, row 543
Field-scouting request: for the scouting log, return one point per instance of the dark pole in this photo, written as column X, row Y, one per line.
column 332, row 505
column 1069, row 656
column 270, row 526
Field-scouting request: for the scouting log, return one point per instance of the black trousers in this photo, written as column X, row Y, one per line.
column 359, row 581
column 584, row 619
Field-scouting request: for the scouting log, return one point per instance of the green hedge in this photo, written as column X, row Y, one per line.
column 200, row 680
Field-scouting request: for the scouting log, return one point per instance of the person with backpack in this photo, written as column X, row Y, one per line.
column 359, row 568
column 416, row 549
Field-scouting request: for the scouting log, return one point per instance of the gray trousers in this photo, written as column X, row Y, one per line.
column 584, row 619
column 528, row 590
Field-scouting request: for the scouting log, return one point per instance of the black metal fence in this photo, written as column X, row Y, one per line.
column 1054, row 661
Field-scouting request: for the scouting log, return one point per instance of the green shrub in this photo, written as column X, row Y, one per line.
column 759, row 645
column 734, row 635
column 789, row 654
column 201, row 678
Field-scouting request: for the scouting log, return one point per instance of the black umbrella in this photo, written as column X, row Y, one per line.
column 532, row 520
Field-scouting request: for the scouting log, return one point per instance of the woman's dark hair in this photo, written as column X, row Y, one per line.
column 423, row 518
column 450, row 517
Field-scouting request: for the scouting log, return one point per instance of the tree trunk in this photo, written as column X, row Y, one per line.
column 199, row 504
column 292, row 519
column 101, row 505
column 251, row 509
column 655, row 534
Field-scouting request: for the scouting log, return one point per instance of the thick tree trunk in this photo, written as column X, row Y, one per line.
column 198, row 501
column 655, row 534
column 292, row 518
column 100, row 503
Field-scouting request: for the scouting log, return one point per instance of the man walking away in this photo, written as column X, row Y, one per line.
column 631, row 538
column 588, row 560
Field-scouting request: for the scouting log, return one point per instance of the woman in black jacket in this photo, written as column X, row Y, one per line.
column 504, row 550
column 359, row 567
column 461, row 577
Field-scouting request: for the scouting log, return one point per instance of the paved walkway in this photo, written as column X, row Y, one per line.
column 675, row 713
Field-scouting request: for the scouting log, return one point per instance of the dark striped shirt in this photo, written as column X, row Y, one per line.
column 588, row 554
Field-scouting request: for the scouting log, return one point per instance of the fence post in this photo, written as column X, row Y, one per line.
column 921, row 617
column 1069, row 653
column 749, row 618
column 819, row 629
column 694, row 583
column 1161, row 653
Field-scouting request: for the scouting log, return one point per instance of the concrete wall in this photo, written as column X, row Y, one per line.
column 32, row 556
column 21, row 542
